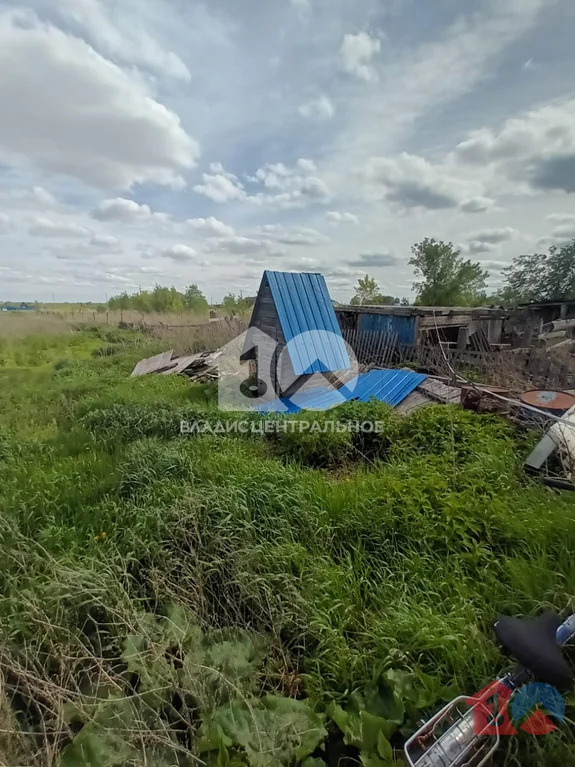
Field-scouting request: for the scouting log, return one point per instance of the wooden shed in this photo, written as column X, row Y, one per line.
column 302, row 337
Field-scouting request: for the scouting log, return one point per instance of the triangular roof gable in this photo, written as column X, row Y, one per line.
column 307, row 320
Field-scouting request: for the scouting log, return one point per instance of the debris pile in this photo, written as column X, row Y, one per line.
column 198, row 367
column 558, row 336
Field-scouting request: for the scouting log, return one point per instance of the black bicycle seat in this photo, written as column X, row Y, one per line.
column 532, row 642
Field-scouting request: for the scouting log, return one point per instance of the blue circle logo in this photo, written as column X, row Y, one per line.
column 529, row 697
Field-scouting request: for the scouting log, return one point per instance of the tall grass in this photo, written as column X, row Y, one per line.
column 168, row 599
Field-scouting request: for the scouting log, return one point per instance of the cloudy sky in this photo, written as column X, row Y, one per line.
column 180, row 141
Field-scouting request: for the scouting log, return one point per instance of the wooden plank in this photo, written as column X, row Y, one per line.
column 156, row 364
column 415, row 401
column 181, row 364
column 440, row 391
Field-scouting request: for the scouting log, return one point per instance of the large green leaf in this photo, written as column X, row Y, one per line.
column 94, row 746
column 270, row 731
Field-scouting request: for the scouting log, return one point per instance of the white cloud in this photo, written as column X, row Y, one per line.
column 5, row 223
column 211, row 227
column 24, row 199
column 121, row 209
column 488, row 240
column 474, row 247
column 341, row 217
column 419, row 79
column 74, row 112
column 413, row 182
column 562, row 218
column 495, row 236
column 302, row 264
column 293, row 235
column 477, row 204
column 106, row 242
column 293, row 187
column 124, row 40
column 356, row 54
column 45, row 227
column 565, row 231
column 285, row 187
column 257, row 249
column 320, row 108
column 370, row 260
column 179, row 253
column 495, row 266
column 220, row 188
column 109, row 277
column 536, row 149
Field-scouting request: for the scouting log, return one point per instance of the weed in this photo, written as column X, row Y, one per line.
column 249, row 600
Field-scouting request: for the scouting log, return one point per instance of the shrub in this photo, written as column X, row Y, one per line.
column 370, row 444
column 149, row 461
column 105, row 351
column 311, row 442
column 126, row 422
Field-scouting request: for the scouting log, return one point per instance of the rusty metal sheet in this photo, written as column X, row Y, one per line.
column 556, row 402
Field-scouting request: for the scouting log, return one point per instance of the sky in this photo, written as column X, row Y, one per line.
column 179, row 142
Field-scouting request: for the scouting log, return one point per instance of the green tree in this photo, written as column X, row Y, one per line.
column 142, row 301
column 525, row 279
column 541, row 276
column 232, row 303
column 445, row 278
column 367, row 292
column 194, row 299
column 560, row 276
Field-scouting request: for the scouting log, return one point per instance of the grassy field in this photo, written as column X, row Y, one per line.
column 249, row 599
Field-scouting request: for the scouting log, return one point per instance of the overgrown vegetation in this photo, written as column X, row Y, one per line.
column 542, row 276
column 161, row 300
column 251, row 600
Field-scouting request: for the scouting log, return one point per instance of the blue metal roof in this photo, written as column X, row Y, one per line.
column 308, row 321
column 389, row 386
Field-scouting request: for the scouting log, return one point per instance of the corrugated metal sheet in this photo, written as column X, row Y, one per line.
column 154, row 364
column 389, row 386
column 304, row 307
column 390, row 323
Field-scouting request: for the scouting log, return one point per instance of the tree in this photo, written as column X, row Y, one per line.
column 194, row 299
column 525, row 279
column 445, row 278
column 542, row 276
column 162, row 299
column 367, row 292
column 234, row 304
column 560, row 277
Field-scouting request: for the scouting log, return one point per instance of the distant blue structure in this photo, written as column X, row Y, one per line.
column 23, row 307
column 296, row 314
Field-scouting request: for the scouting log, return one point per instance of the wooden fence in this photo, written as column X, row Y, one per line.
column 517, row 368
column 372, row 347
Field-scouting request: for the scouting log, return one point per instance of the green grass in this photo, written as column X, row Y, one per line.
column 251, row 599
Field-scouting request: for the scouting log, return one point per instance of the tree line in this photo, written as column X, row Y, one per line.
column 165, row 300
column 445, row 278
